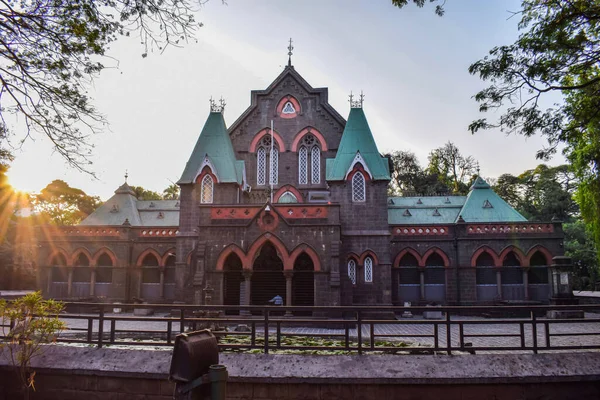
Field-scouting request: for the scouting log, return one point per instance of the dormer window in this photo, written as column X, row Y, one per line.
column 114, row 209
column 160, row 215
column 288, row 108
column 358, row 187
column 487, row 204
column 206, row 190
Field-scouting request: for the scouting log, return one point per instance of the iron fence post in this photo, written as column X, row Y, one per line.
column 359, row 331
column 101, row 326
column 266, row 346
column 534, row 332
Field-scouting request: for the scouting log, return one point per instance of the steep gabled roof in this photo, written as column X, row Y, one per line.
column 357, row 142
column 484, row 205
column 120, row 207
column 424, row 210
column 213, row 148
column 291, row 72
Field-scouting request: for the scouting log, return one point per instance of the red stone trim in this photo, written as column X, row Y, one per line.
column 172, row 250
column 108, row 252
column 438, row 251
column 352, row 256
column 234, row 212
column 58, row 251
column 520, row 255
column 420, row 230
column 358, row 167
column 83, row 230
column 368, row 253
column 282, row 103
column 485, row 249
column 522, row 228
column 290, row 211
column 277, row 243
column 304, row 248
column 232, row 248
column 207, row 171
column 80, row 250
column 259, row 136
column 542, row 250
column 265, row 225
column 405, row 251
column 145, row 253
column 312, row 131
column 158, row 232
column 288, row 188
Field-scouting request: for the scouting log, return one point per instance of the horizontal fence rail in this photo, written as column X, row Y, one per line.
column 335, row 329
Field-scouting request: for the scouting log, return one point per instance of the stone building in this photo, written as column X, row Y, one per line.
column 300, row 212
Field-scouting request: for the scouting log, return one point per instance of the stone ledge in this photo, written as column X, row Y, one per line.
column 355, row 369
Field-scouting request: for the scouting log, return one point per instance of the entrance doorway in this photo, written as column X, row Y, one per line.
column 232, row 280
column 303, row 283
column 267, row 277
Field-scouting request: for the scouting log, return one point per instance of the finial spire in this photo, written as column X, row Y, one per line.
column 126, row 176
column 290, row 48
column 214, row 107
column 477, row 166
column 357, row 103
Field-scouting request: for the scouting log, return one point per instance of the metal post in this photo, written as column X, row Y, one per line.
column 181, row 320
column 100, row 326
column 218, row 378
column 359, row 331
column 448, row 333
column 534, row 332
column 266, row 346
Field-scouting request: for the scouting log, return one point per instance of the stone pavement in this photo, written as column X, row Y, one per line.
column 476, row 326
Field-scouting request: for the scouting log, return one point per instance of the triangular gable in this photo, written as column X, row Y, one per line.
column 484, row 205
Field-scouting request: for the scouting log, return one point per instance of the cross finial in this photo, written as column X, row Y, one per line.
column 222, row 104
column 362, row 98
column 351, row 97
column 477, row 166
column 356, row 103
column 126, row 176
column 290, row 48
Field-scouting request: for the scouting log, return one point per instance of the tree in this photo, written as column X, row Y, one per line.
column 62, row 204
column 556, row 55
column 453, row 169
column 31, row 322
column 439, row 9
column 408, row 178
column 51, row 50
column 171, row 192
column 144, row 194
column 579, row 245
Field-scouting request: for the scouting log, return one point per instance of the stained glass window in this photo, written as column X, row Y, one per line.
column 358, row 187
column 261, row 166
column 206, row 195
column 352, row 271
column 315, row 159
column 368, row 269
column 303, row 166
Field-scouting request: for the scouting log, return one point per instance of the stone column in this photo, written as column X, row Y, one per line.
column 245, row 299
column 526, row 283
column 49, row 283
column 289, row 274
column 138, row 287
column 70, row 283
column 422, row 283
column 161, row 288
column 93, row 282
column 499, row 283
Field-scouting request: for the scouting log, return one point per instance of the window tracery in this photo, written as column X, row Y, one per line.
column 358, row 187
column 368, row 269
column 206, row 192
column 352, row 271
column 288, row 108
column 309, row 145
column 264, row 157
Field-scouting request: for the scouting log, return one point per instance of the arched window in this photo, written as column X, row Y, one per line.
column 287, row 197
column 352, row 271
column 263, row 150
column 303, row 166
column 82, row 261
column 261, row 166
column 368, row 269
column 82, row 275
column 358, row 187
column 150, row 272
column 315, row 160
column 206, row 194
column 59, row 259
column 104, row 270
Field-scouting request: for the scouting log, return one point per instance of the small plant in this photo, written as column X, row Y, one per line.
column 27, row 324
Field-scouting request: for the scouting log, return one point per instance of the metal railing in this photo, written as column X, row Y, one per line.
column 345, row 329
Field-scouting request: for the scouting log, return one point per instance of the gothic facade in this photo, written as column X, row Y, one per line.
column 300, row 211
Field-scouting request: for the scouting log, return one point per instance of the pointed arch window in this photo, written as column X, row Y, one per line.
column 352, row 271
column 358, row 187
column 303, row 165
column 315, row 159
column 267, row 162
column 206, row 194
column 274, row 173
column 261, row 166
column 368, row 269
column 288, row 197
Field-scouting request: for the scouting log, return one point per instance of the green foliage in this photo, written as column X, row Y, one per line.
column 51, row 50
column 144, row 194
column 61, row 204
column 556, row 55
column 35, row 322
column 171, row 192
column 439, row 9
column 453, row 169
column 580, row 246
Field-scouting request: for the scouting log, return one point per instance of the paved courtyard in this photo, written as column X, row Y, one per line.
column 411, row 330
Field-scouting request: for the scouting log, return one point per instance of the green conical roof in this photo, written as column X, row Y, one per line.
column 484, row 205
column 357, row 138
column 213, row 146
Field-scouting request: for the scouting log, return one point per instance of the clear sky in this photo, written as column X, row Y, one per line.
column 411, row 64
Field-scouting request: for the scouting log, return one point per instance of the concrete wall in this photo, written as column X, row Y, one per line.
column 82, row 373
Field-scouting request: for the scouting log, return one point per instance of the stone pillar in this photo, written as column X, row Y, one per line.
column 245, row 294
column 93, row 282
column 289, row 274
column 526, row 283
column 422, row 283
column 70, row 283
column 161, row 291
column 138, row 287
column 499, row 283
column 49, row 283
